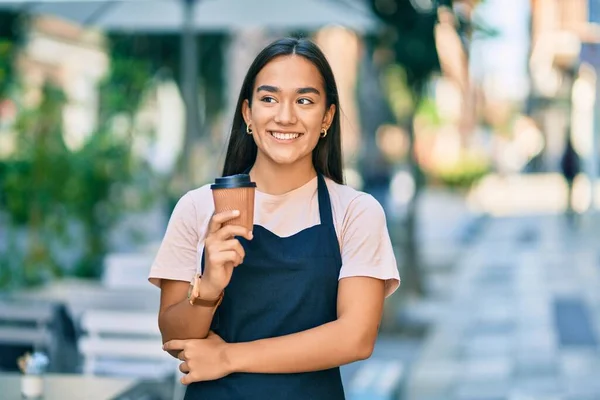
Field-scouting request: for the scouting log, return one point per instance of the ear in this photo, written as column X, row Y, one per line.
column 328, row 117
column 247, row 112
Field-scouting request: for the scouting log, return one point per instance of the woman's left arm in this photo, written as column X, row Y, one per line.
column 368, row 274
column 349, row 338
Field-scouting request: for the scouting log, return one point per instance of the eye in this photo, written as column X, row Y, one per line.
column 305, row 101
column 268, row 99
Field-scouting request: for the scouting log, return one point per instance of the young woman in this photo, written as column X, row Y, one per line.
column 278, row 309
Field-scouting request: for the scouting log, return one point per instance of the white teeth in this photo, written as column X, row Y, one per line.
column 285, row 136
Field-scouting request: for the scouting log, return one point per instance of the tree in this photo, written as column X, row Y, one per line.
column 9, row 36
column 414, row 40
column 410, row 39
column 60, row 204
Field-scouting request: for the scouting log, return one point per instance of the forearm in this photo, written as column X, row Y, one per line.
column 327, row 346
column 185, row 321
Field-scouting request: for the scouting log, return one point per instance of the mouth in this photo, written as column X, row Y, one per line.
column 285, row 136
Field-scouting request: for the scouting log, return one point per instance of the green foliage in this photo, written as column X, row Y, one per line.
column 60, row 200
column 8, row 37
column 410, row 37
column 462, row 174
column 55, row 200
column 5, row 66
column 31, row 193
column 47, row 188
column 162, row 52
column 39, row 152
column 122, row 89
column 428, row 111
column 398, row 94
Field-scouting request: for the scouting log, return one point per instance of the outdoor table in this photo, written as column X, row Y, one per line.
column 68, row 387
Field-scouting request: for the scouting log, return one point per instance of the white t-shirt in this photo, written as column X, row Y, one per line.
column 359, row 221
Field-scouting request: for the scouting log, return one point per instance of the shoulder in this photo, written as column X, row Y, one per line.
column 177, row 255
column 365, row 243
column 201, row 198
column 195, row 207
column 352, row 203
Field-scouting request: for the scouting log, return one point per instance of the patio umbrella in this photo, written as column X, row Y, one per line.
column 163, row 16
column 189, row 17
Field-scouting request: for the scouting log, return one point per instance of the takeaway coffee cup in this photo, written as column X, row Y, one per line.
column 235, row 192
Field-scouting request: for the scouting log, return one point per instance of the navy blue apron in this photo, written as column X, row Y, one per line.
column 285, row 285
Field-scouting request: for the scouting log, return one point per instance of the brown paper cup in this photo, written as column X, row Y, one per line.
column 241, row 199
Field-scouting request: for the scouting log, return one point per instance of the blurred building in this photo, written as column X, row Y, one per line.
column 563, row 65
column 71, row 58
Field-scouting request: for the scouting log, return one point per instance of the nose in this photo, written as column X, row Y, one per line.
column 285, row 114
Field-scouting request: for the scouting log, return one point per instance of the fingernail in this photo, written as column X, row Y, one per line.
column 236, row 212
column 251, row 234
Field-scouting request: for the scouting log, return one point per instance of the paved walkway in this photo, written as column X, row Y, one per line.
column 523, row 321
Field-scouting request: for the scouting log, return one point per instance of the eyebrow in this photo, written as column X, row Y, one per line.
column 275, row 89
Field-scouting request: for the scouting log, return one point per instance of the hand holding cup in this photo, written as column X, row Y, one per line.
column 222, row 251
column 234, row 217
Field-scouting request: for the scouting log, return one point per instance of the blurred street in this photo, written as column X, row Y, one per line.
column 523, row 318
column 513, row 307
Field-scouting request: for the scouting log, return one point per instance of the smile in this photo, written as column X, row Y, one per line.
column 285, row 136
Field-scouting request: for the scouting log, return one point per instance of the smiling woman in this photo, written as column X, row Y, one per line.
column 305, row 289
column 292, row 85
column 297, row 97
column 287, row 108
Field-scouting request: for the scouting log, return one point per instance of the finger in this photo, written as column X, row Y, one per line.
column 184, row 368
column 226, row 257
column 235, row 245
column 213, row 337
column 217, row 219
column 181, row 356
column 229, row 266
column 230, row 231
column 174, row 345
column 187, row 379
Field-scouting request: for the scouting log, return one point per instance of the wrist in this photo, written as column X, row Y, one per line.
column 233, row 355
column 208, row 290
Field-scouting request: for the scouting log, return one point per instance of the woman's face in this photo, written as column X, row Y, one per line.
column 289, row 110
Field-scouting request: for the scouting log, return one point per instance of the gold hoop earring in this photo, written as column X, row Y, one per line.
column 248, row 130
column 323, row 133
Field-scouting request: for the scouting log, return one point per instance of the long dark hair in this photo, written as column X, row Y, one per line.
column 327, row 156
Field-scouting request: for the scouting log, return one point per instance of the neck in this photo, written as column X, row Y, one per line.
column 277, row 179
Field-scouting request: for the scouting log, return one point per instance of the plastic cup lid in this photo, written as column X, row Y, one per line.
column 233, row 182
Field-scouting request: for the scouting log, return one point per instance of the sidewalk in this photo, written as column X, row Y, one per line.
column 523, row 321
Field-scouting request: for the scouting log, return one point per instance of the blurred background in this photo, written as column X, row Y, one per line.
column 474, row 122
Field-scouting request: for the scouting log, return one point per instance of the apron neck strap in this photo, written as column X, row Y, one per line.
column 324, row 202
column 325, row 212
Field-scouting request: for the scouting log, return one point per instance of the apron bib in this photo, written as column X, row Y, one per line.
column 285, row 285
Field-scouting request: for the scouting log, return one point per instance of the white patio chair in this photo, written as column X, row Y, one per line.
column 124, row 343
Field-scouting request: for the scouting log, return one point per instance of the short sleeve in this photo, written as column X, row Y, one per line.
column 177, row 255
column 366, row 246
